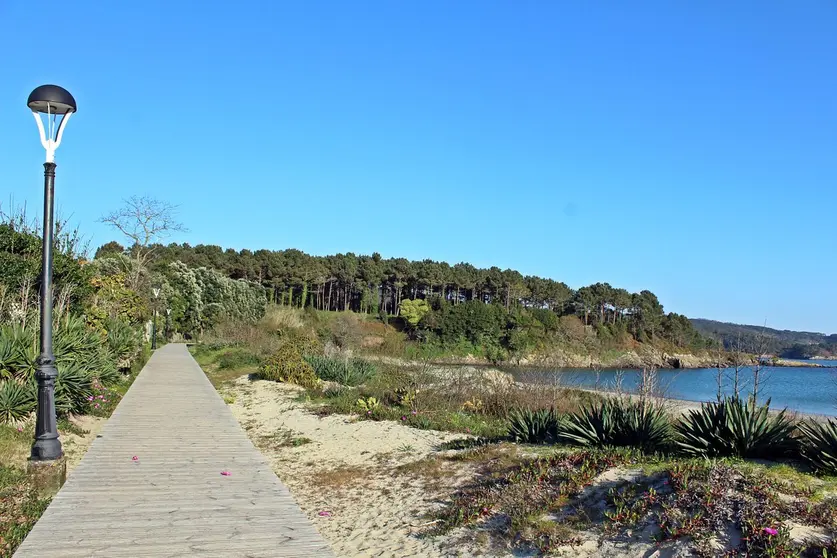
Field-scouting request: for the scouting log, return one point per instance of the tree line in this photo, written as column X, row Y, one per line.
column 376, row 285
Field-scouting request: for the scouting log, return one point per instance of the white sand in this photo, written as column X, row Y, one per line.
column 76, row 446
column 373, row 512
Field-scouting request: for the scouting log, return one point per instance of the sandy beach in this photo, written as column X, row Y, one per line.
column 344, row 473
column 364, row 483
column 369, row 486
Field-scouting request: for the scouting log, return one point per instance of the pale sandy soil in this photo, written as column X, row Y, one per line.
column 345, row 478
column 76, row 446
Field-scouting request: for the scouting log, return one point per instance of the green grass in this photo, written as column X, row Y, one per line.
column 20, row 508
column 443, row 420
column 211, row 359
column 15, row 445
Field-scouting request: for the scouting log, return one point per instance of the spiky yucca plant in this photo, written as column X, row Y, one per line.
column 18, row 352
column 17, row 401
column 123, row 341
column 735, row 427
column 619, row 422
column 76, row 345
column 532, row 426
column 819, row 445
column 73, row 387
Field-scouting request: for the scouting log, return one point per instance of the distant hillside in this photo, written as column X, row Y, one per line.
column 753, row 339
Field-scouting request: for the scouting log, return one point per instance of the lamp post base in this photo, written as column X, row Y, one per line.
column 47, row 476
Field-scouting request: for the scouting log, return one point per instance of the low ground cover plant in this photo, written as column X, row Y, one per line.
column 345, row 371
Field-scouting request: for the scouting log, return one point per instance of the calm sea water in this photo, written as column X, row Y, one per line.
column 807, row 390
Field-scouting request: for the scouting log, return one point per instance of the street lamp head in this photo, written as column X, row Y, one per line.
column 51, row 100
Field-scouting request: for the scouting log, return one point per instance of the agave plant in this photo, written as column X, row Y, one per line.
column 7, row 354
column 619, row 422
column 17, row 401
column 78, row 346
column 735, row 427
column 819, row 445
column 18, row 352
column 73, row 388
column 122, row 341
column 532, row 426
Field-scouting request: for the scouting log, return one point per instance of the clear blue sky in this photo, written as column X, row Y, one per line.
column 689, row 148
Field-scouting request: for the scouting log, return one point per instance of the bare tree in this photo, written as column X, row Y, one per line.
column 739, row 364
column 759, row 374
column 144, row 221
column 720, row 375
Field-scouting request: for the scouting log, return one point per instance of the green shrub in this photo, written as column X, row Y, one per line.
column 370, row 405
column 619, row 422
column 819, row 445
column 237, row 358
column 17, row 401
column 103, row 401
column 735, row 428
column 288, row 365
column 347, row 372
column 532, row 427
column 301, row 341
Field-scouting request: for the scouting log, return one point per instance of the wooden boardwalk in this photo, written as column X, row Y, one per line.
column 173, row 500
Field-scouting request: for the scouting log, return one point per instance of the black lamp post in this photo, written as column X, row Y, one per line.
column 168, row 325
column 156, row 292
column 53, row 101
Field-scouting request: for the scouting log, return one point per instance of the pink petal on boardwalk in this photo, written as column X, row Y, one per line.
column 324, row 513
column 226, row 473
column 135, row 458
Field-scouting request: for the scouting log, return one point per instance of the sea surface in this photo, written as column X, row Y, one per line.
column 807, row 390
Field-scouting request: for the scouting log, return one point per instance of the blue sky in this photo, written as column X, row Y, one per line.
column 686, row 148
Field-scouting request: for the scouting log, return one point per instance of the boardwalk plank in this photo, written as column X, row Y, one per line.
column 173, row 501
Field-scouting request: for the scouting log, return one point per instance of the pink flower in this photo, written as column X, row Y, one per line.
column 90, row 398
column 19, row 429
column 771, row 531
column 368, row 412
column 104, row 400
column 226, row 473
column 415, row 413
column 97, row 405
column 403, row 417
column 135, row 458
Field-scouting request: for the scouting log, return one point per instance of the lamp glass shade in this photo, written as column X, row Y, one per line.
column 51, row 99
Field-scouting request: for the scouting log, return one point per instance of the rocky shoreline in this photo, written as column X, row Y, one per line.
column 631, row 360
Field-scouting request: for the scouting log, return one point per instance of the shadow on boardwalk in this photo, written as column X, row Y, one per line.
column 173, row 500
